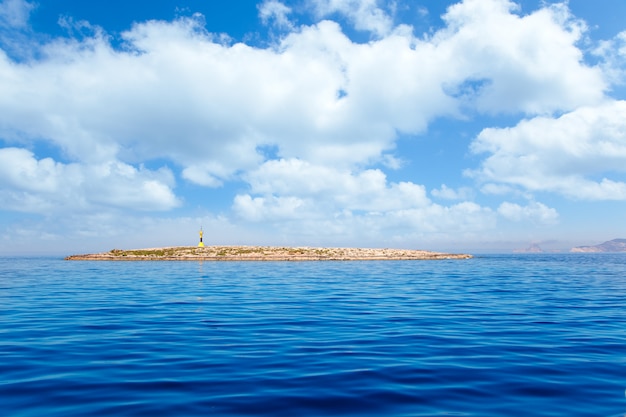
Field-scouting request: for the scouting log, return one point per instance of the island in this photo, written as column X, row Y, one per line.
column 615, row 245
column 533, row 248
column 263, row 253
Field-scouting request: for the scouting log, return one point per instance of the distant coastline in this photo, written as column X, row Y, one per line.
column 263, row 253
column 612, row 246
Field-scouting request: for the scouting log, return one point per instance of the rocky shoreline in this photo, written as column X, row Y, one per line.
column 263, row 253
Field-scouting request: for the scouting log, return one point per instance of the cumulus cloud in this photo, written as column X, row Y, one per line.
column 329, row 108
column 45, row 186
column 367, row 190
column 293, row 216
column 176, row 92
column 574, row 155
column 534, row 211
column 268, row 208
column 500, row 61
column 298, row 196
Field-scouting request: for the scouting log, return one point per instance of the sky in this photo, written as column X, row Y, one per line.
column 466, row 126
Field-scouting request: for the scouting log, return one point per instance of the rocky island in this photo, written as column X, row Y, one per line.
column 615, row 245
column 263, row 253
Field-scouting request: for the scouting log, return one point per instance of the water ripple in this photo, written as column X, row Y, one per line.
column 492, row 336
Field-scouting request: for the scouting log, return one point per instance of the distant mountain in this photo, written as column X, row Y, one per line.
column 534, row 248
column 615, row 245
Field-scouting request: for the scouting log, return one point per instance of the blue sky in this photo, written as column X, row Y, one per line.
column 474, row 125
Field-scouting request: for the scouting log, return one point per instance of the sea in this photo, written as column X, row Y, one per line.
column 496, row 335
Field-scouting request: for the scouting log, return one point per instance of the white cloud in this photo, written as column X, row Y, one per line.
column 365, row 15
column 453, row 221
column 447, row 193
column 563, row 155
column 268, row 208
column 613, row 54
column 299, row 198
column 534, row 211
column 117, row 184
column 178, row 93
column 367, row 190
column 498, row 61
column 20, row 170
column 422, row 11
column 200, row 103
column 16, row 35
column 15, row 13
column 202, row 176
column 276, row 11
column 45, row 186
column 328, row 108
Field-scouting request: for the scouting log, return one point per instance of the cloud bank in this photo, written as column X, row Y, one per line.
column 309, row 122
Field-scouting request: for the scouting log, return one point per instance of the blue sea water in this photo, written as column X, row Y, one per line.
column 501, row 335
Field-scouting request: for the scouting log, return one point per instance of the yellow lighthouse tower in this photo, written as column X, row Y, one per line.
column 201, row 244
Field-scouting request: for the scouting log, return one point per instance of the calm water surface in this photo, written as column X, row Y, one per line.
column 514, row 335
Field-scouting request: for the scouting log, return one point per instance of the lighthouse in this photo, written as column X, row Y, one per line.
column 201, row 244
